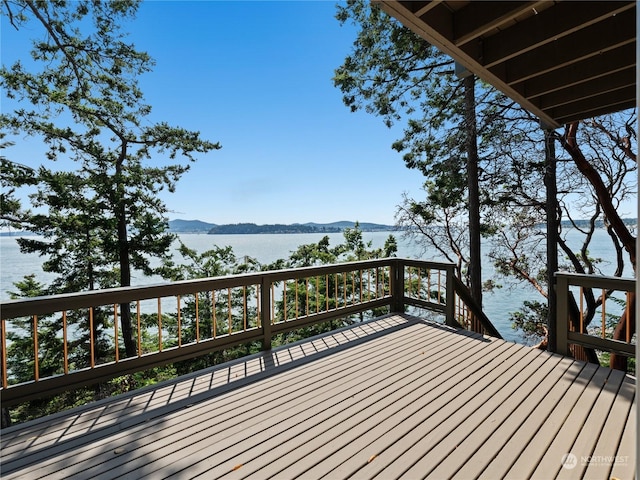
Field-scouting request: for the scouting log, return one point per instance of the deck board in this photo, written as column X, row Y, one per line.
column 609, row 441
column 394, row 397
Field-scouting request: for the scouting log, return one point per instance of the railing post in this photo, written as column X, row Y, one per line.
column 562, row 320
column 397, row 285
column 265, row 311
column 450, row 298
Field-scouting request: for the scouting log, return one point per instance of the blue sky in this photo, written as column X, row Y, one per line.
column 256, row 77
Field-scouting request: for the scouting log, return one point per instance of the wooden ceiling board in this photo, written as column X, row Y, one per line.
column 536, row 52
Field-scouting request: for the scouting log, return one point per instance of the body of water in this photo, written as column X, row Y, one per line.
column 267, row 248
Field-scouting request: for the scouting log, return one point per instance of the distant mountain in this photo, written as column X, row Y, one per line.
column 252, row 228
column 197, row 226
column 364, row 226
column 190, row 226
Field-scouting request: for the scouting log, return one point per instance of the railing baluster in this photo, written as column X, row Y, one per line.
column 197, row 295
column 581, row 309
column 159, row 324
column 3, row 333
column 92, row 353
column 604, row 314
column 375, row 279
column 115, row 331
column 273, row 303
column 353, row 288
column 244, row 307
column 179, row 322
column 214, row 320
column 326, row 291
column 65, row 347
column 306, row 291
column 258, row 310
column 138, row 319
column 284, row 302
column 229, row 310
column 344, row 289
column 295, row 287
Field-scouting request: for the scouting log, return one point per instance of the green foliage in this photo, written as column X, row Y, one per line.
column 531, row 319
column 394, row 74
column 386, row 73
column 21, row 360
column 327, row 292
column 20, row 353
column 12, row 176
column 80, row 96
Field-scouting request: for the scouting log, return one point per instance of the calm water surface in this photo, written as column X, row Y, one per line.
column 270, row 247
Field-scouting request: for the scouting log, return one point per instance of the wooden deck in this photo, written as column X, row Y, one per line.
column 395, row 397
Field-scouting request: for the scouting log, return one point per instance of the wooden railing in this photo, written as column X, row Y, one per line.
column 595, row 333
column 74, row 340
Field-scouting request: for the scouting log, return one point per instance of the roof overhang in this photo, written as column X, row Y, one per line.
column 563, row 61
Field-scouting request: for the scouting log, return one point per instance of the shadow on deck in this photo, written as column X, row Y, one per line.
column 390, row 398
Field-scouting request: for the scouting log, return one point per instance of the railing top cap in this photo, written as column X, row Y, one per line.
column 67, row 301
column 580, row 276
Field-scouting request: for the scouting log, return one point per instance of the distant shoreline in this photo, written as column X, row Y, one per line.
column 197, row 226
column 205, row 228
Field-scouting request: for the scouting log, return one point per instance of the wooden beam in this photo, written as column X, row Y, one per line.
column 595, row 40
column 589, row 41
column 439, row 18
column 583, row 71
column 621, row 99
column 593, row 88
column 548, row 26
column 444, row 43
column 478, row 18
column 420, row 8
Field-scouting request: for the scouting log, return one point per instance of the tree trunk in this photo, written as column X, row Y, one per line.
column 475, row 269
column 124, row 259
column 570, row 144
column 553, row 218
column 125, row 281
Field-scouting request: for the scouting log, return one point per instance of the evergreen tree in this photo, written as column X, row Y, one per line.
column 395, row 74
column 81, row 97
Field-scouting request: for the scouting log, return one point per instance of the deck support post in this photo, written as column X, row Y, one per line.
column 562, row 319
column 450, row 298
column 265, row 312
column 397, row 286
